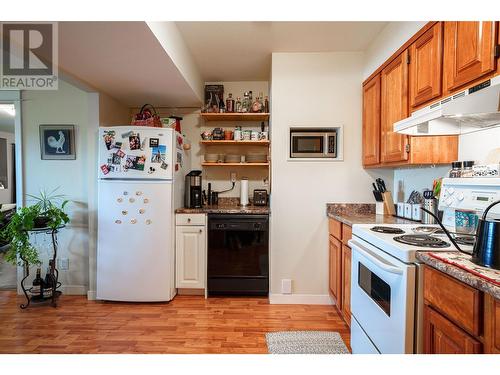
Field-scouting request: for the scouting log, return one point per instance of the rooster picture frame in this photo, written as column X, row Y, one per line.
column 57, row 142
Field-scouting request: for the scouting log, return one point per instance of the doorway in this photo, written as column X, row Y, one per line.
column 10, row 176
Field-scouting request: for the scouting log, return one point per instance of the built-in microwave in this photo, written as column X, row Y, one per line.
column 313, row 142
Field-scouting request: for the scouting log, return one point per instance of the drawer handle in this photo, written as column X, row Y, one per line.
column 189, row 220
column 201, row 230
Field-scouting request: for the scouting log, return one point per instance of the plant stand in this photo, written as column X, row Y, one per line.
column 31, row 298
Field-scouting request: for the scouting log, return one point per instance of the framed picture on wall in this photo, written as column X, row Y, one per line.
column 57, row 142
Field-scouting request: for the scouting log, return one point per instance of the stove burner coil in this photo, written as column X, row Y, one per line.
column 389, row 230
column 422, row 240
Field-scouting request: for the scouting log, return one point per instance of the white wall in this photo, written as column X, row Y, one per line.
column 67, row 105
column 313, row 89
column 388, row 41
column 482, row 146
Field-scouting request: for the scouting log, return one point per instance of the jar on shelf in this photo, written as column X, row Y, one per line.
column 456, row 169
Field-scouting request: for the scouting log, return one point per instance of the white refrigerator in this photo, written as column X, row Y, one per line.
column 141, row 182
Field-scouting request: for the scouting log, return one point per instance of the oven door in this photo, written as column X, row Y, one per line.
column 382, row 300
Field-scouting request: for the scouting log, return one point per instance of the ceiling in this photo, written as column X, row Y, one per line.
column 241, row 51
column 123, row 60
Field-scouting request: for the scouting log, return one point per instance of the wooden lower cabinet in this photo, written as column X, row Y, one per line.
column 340, row 267
column 491, row 325
column 443, row 337
column 190, row 257
column 335, row 270
column 346, row 284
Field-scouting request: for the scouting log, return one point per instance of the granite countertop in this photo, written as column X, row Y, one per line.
column 361, row 213
column 227, row 205
column 225, row 209
column 460, row 274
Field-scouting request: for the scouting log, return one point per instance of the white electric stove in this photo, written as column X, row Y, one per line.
column 386, row 284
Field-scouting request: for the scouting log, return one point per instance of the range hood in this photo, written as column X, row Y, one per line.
column 471, row 110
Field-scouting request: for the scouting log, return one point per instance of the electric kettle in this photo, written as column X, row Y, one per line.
column 486, row 251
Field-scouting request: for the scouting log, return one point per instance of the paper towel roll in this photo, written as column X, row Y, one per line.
column 244, row 192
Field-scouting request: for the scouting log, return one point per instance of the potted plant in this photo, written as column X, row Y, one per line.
column 48, row 212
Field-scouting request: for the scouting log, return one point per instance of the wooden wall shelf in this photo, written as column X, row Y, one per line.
column 205, row 164
column 238, row 143
column 235, row 116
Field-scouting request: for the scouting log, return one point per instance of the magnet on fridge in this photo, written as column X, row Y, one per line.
column 151, row 170
column 142, row 210
column 134, row 142
column 154, row 142
column 143, row 144
column 117, row 145
column 127, row 134
column 124, row 212
column 119, row 200
column 148, row 222
column 176, row 167
column 104, row 169
column 133, row 221
column 125, row 193
column 118, row 221
column 109, row 138
column 163, row 165
column 146, row 200
column 131, row 200
column 138, row 193
column 120, row 153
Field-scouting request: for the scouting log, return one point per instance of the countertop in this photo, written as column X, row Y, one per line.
column 460, row 274
column 361, row 213
column 225, row 209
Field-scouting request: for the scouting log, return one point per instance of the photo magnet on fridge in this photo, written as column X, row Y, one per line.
column 120, row 153
column 109, row 138
column 158, row 154
column 135, row 162
column 104, row 169
column 163, row 165
column 134, row 142
column 116, row 159
column 117, row 145
column 127, row 134
column 154, row 142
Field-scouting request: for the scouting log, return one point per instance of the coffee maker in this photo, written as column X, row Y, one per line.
column 192, row 194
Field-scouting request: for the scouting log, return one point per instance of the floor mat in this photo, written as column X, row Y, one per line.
column 305, row 342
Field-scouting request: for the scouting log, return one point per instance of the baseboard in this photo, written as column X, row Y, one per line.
column 300, row 299
column 190, row 292
column 74, row 290
column 91, row 295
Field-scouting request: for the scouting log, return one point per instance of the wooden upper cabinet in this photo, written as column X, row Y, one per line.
column 469, row 52
column 426, row 57
column 371, row 121
column 394, row 99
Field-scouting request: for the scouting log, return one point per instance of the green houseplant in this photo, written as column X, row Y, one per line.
column 47, row 212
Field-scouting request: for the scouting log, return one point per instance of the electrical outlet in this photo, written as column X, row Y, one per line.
column 233, row 176
column 63, row 264
column 286, row 286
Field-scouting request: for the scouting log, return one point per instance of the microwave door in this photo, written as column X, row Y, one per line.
column 307, row 145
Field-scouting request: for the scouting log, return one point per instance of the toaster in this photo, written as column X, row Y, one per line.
column 260, row 197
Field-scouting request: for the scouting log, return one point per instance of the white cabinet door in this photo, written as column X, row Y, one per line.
column 190, row 250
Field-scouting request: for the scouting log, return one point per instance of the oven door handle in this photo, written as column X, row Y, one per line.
column 374, row 258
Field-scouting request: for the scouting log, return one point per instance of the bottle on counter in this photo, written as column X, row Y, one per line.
column 238, row 105
column 230, row 103
column 456, row 169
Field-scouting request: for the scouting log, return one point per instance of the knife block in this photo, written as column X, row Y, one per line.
column 388, row 204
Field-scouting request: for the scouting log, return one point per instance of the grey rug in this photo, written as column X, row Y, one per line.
column 305, row 342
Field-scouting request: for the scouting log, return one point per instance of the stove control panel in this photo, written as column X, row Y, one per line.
column 474, row 194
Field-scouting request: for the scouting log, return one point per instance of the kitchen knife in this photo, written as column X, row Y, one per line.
column 374, row 187
column 382, row 184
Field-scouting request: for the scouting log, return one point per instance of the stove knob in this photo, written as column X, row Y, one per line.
column 461, row 196
column 451, row 190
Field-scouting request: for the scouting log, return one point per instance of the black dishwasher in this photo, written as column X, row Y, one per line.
column 238, row 254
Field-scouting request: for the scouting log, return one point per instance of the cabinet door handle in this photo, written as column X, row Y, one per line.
column 189, row 220
column 201, row 230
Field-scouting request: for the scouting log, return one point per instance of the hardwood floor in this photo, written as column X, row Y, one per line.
column 188, row 324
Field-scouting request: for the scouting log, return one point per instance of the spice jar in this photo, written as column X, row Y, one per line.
column 456, row 169
column 467, row 170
